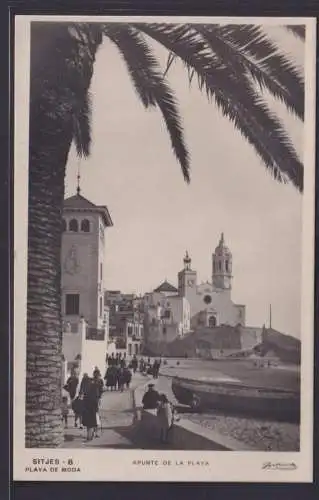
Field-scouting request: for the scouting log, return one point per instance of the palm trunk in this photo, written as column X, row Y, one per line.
column 59, row 64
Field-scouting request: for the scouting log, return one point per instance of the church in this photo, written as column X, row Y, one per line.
column 201, row 305
column 211, row 303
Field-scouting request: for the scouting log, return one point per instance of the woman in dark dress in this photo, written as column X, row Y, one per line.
column 91, row 401
column 71, row 384
column 121, row 379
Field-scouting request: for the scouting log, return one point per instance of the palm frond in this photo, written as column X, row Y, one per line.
column 150, row 84
column 234, row 96
column 258, row 47
column 170, row 60
column 82, row 125
column 236, row 59
column 298, row 30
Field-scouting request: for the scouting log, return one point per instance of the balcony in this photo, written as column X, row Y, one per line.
column 95, row 334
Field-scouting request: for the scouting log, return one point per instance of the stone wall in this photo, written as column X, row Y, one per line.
column 186, row 435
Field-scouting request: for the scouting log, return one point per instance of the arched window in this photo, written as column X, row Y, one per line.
column 219, row 266
column 74, row 226
column 85, row 226
column 226, row 266
column 63, row 225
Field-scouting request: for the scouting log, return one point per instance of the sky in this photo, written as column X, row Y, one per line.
column 157, row 216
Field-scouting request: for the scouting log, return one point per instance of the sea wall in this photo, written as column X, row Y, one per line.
column 187, row 435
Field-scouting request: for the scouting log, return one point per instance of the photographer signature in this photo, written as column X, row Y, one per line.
column 279, row 466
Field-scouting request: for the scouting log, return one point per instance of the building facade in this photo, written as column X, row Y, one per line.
column 167, row 314
column 173, row 312
column 126, row 321
column 82, row 278
column 211, row 303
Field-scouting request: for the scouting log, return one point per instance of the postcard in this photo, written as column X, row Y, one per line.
column 164, row 181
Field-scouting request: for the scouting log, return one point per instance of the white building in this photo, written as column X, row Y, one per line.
column 85, row 316
column 210, row 302
column 172, row 312
column 167, row 314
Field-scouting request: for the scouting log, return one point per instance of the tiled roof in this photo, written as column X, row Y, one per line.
column 78, row 202
column 166, row 287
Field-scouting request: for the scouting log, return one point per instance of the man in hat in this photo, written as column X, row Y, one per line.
column 151, row 398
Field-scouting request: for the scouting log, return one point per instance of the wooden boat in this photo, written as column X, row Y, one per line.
column 235, row 398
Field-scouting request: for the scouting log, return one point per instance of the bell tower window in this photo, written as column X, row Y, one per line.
column 85, row 226
column 63, row 225
column 74, row 226
column 226, row 266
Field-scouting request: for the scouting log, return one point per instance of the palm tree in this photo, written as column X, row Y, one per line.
column 233, row 65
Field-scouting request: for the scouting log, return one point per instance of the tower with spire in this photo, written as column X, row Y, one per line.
column 187, row 279
column 82, row 259
column 222, row 266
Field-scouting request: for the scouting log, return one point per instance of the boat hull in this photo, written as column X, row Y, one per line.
column 238, row 399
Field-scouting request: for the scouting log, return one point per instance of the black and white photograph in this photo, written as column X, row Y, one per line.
column 164, row 228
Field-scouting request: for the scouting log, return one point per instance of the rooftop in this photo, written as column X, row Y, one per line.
column 77, row 202
column 166, row 287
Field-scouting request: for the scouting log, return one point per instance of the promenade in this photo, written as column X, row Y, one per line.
column 117, row 418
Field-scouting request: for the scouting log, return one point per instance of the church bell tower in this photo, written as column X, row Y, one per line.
column 187, row 280
column 222, row 266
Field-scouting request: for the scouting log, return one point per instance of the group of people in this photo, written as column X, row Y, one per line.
column 117, row 360
column 153, row 400
column 150, row 368
column 147, row 367
column 85, row 397
column 117, row 377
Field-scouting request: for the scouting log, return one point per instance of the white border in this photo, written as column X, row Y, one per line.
column 116, row 464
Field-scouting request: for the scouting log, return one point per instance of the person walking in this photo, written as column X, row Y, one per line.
column 85, row 382
column 151, row 398
column 65, row 411
column 127, row 377
column 72, row 384
column 134, row 363
column 121, row 379
column 91, row 401
column 165, row 417
column 77, row 407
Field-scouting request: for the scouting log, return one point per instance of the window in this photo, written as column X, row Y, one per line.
column 129, row 331
column 167, row 313
column 63, row 225
column 101, row 306
column 164, row 330
column 101, row 271
column 219, row 265
column 95, row 334
column 74, row 226
column 207, row 299
column 212, row 322
column 85, row 226
column 72, row 304
column 226, row 266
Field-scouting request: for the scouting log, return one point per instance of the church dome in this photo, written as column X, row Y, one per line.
column 221, row 248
